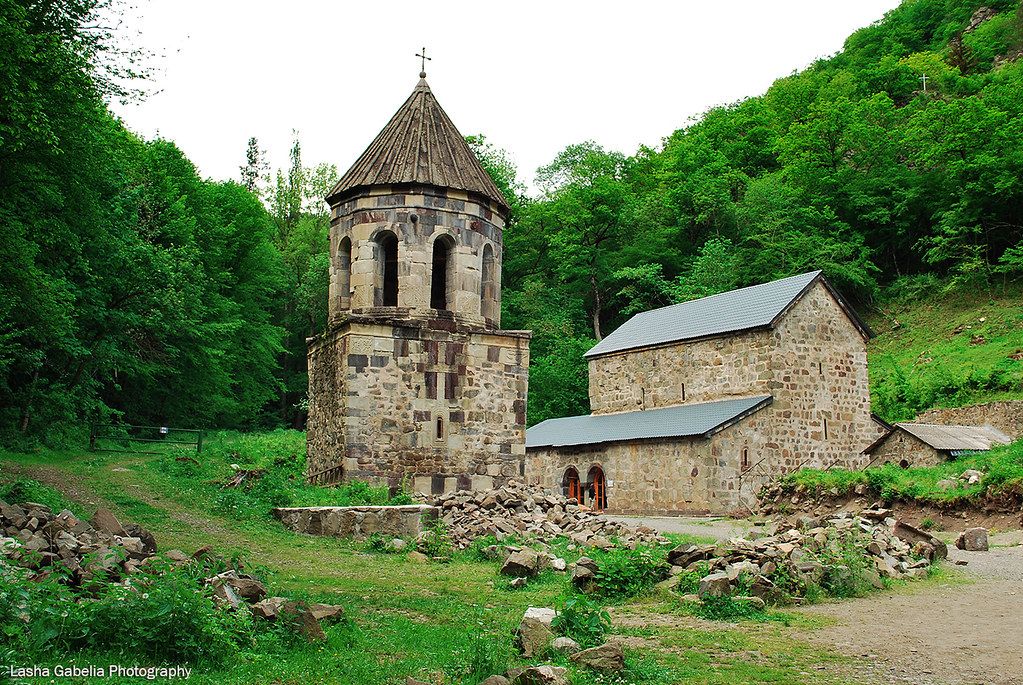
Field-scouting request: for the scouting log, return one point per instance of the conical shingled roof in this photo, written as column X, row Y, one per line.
column 420, row 145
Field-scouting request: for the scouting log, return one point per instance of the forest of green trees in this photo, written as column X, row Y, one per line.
column 132, row 288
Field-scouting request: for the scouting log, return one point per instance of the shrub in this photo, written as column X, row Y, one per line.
column 623, row 572
column 162, row 614
column 435, row 542
column 728, row 608
column 486, row 653
column 27, row 490
column 689, row 581
column 583, row 620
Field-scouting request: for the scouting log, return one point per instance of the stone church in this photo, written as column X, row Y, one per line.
column 414, row 383
column 696, row 405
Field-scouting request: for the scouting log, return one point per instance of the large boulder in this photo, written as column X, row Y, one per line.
column 973, row 540
column 684, row 555
column 327, row 613
column 565, row 645
column 913, row 535
column 534, row 634
column 541, row 675
column 523, row 563
column 607, row 657
column 714, row 585
column 303, row 618
column 105, row 522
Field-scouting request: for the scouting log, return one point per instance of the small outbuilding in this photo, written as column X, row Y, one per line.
column 928, row 444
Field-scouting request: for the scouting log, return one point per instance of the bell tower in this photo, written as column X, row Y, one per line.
column 413, row 382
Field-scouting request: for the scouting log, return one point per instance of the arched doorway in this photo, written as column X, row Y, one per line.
column 571, row 485
column 598, row 489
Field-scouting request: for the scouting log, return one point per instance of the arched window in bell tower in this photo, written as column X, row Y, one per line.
column 488, row 285
column 344, row 272
column 443, row 257
column 386, row 291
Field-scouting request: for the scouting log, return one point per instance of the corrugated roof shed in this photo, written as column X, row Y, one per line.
column 688, row 420
column 966, row 438
column 420, row 144
column 758, row 306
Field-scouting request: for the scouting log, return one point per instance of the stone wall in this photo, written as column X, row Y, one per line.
column 668, row 477
column 813, row 363
column 406, row 402
column 1005, row 416
column 731, row 366
column 405, row 521
column 418, row 216
column 900, row 447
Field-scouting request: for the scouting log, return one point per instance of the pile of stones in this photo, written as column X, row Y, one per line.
column 535, row 514
column 892, row 549
column 41, row 543
column 37, row 539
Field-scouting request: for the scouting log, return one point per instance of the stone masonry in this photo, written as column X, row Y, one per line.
column 414, row 384
column 813, row 363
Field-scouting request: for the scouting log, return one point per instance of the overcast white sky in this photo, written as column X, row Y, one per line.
column 532, row 76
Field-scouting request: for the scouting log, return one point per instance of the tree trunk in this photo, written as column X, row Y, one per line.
column 596, row 308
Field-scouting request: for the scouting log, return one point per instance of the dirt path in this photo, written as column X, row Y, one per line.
column 700, row 526
column 968, row 630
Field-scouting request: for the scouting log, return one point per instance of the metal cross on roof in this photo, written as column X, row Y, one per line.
column 423, row 57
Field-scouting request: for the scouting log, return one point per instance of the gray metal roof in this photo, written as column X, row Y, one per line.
column 958, row 438
column 699, row 419
column 757, row 306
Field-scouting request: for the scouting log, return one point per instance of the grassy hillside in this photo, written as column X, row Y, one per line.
column 937, row 348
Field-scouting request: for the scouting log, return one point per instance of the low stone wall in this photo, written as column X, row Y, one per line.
column 1005, row 416
column 401, row 521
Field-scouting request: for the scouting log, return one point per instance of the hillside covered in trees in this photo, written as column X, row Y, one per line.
column 134, row 288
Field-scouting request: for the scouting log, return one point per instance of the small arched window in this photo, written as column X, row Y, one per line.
column 443, row 253
column 488, row 284
column 744, row 461
column 386, row 292
column 344, row 272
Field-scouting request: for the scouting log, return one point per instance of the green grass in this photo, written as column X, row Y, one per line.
column 439, row 622
column 945, row 349
column 1002, row 468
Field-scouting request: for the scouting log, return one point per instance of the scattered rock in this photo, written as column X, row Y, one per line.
column 973, row 540
column 300, row 614
column 534, row 634
column 971, row 476
column 912, row 535
column 417, row 557
column 541, row 675
column 270, row 608
column 535, row 514
column 327, row 613
column 105, row 522
column 523, row 563
column 565, row 645
column 714, row 585
column 607, row 657
column 495, row 680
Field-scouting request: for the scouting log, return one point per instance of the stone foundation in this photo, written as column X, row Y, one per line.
column 409, row 404
column 358, row 523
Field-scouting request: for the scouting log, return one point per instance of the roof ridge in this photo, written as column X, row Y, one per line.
column 735, row 290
